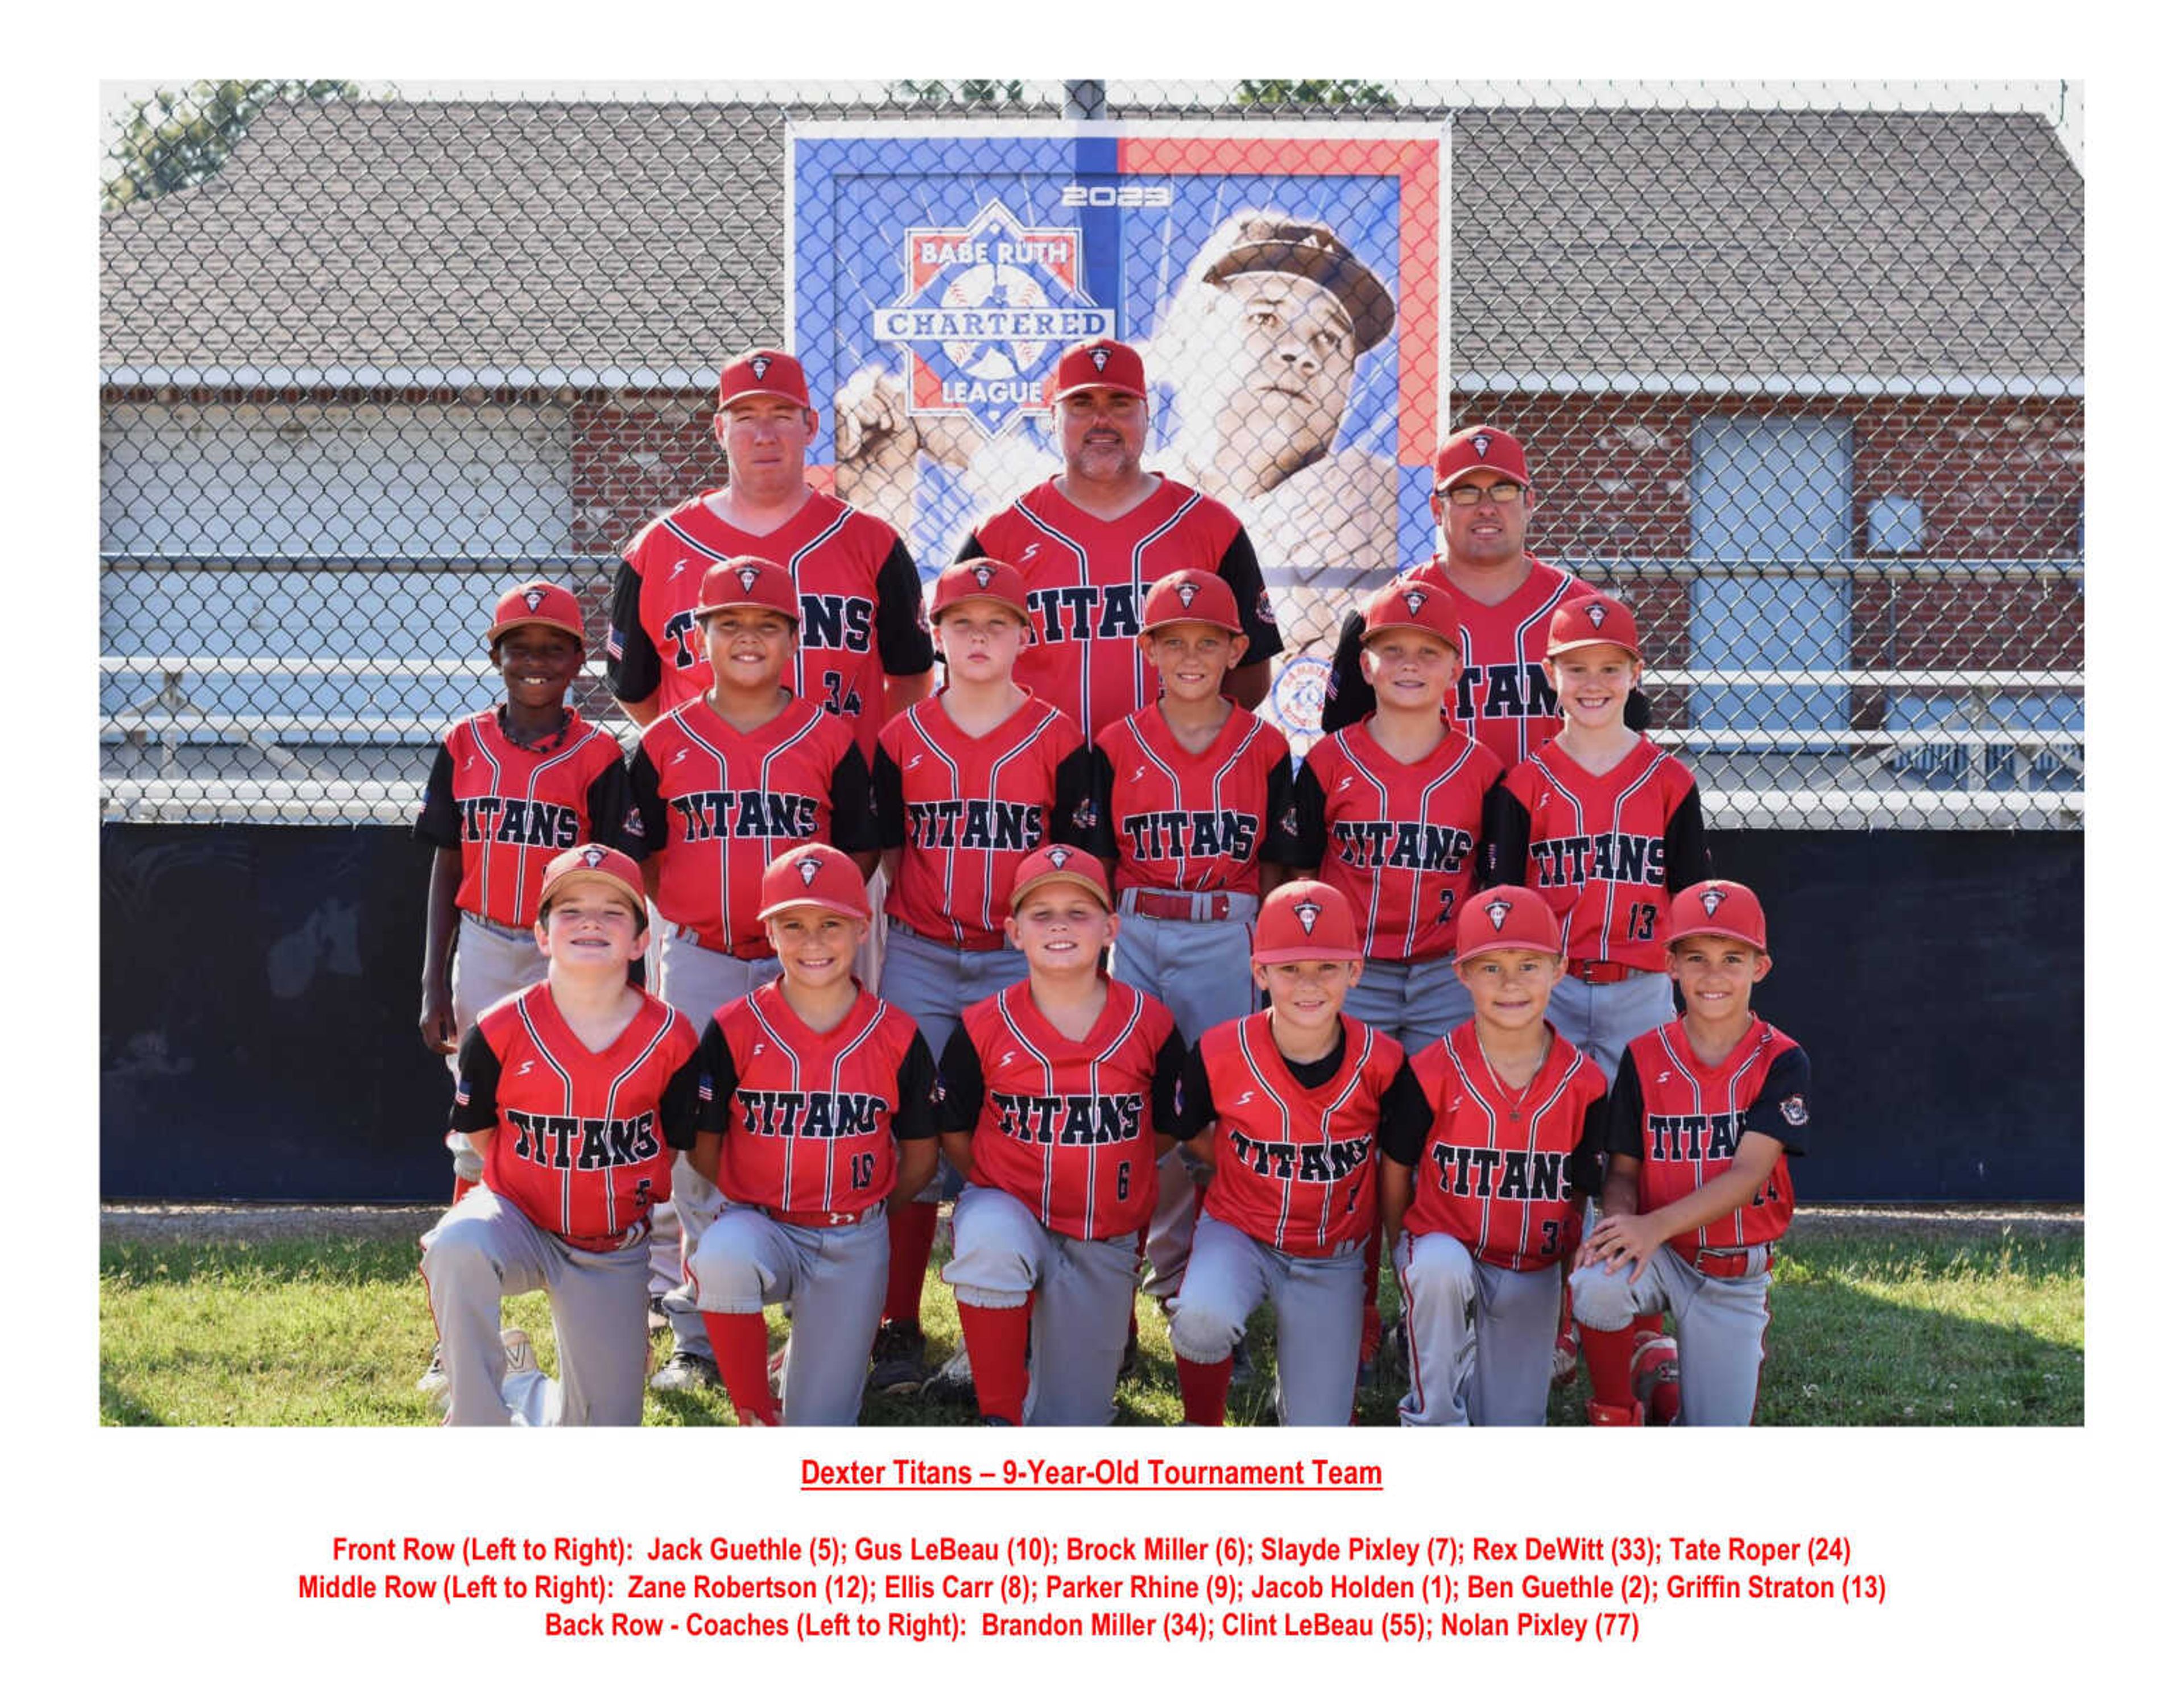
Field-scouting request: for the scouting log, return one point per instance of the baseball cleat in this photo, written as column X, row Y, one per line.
column 434, row 1381
column 898, row 1360
column 687, row 1371
column 1602, row 1416
column 655, row 1316
column 951, row 1384
column 1565, row 1365
column 1656, row 1377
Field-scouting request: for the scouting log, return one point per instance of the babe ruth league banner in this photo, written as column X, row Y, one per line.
column 1286, row 283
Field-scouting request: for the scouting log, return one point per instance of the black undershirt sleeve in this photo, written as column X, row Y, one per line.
column 634, row 674
column 1348, row 698
column 1240, row 567
column 1194, row 1109
column 1505, row 838
column 1690, row 861
column 716, row 1081
column 607, row 806
column 1405, row 1117
column 1168, row 1083
column 1284, row 843
column 913, row 1116
column 439, row 821
column 855, row 827
column 887, row 798
column 678, row 1103
column 1588, row 1165
column 906, row 642
column 1623, row 1125
column 476, row 1105
column 648, row 805
column 1309, row 805
column 1780, row 1108
column 962, row 1081
column 1100, row 779
column 1080, row 809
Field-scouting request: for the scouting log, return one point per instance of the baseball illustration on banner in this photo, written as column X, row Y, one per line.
column 1284, row 289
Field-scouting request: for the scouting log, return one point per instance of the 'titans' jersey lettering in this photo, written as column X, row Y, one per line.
column 806, row 1114
column 746, row 814
column 1694, row 1136
column 1163, row 834
column 1512, row 1175
column 496, row 820
column 970, row 823
column 1084, row 613
column 1071, row 1121
column 1503, row 691
column 568, row 1144
column 1302, row 1162
column 1610, row 856
column 1421, row 847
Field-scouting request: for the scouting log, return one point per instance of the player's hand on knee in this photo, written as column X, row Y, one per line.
column 436, row 1022
column 1619, row 1243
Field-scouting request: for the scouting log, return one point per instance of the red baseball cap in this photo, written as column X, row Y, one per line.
column 1415, row 606
column 1478, row 448
column 1060, row 861
column 813, row 876
column 1718, row 908
column 1097, row 365
column 1191, row 594
column 536, row 603
column 592, row 863
column 766, row 370
column 1593, row 619
column 982, row 579
column 747, row 582
column 1305, row 920
column 1510, row 917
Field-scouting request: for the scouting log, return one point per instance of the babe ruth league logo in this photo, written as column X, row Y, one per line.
column 1186, row 590
column 1711, row 900
column 807, row 868
column 594, row 855
column 533, row 598
column 1596, row 612
column 985, row 307
column 1307, row 915
column 983, row 574
column 1414, row 599
column 1480, row 445
column 749, row 576
column 1497, row 911
column 760, row 365
column 1058, row 856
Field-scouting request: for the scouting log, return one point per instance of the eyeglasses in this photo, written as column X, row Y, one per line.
column 1470, row 491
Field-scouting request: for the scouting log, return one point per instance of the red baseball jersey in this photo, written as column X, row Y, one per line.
column 715, row 805
column 1501, row 695
column 1402, row 840
column 1497, row 1169
column 1087, row 580
column 812, row 1118
column 964, row 810
column 1175, row 820
column 1682, row 1120
column 582, row 1143
column 863, row 610
column 1066, row 1127
column 511, row 808
column 1294, row 1165
column 1608, row 851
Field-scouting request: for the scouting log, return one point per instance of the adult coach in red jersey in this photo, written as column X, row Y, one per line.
column 1483, row 501
column 863, row 649
column 1091, row 541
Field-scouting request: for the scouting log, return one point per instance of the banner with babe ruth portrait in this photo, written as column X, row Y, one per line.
column 1286, row 283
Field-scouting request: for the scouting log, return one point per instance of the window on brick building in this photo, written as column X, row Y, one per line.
column 1771, row 525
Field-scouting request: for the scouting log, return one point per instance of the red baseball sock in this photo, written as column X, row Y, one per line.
column 1607, row 1360
column 1650, row 1324
column 910, row 1249
column 996, row 1337
column 1205, row 1389
column 739, row 1341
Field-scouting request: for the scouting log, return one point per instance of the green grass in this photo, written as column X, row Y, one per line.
column 1868, row 1328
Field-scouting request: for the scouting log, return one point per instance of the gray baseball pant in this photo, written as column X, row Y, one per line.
column 933, row 982
column 835, row 1281
column 1201, row 972
column 1721, row 1324
column 1416, row 1002
column 696, row 982
column 491, row 961
column 1319, row 1313
column 486, row 1248
column 1482, row 1337
column 1602, row 1019
column 1080, row 1320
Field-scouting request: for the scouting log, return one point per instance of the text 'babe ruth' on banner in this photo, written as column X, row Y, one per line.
column 1284, row 283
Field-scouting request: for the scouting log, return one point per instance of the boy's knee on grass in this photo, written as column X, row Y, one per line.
column 1199, row 1334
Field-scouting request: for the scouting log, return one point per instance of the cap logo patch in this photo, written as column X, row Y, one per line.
column 1480, row 444
column 1497, row 911
column 1596, row 612
column 1058, row 856
column 760, row 365
column 807, row 868
column 1415, row 598
column 983, row 574
column 533, row 598
column 1711, row 900
column 1100, row 355
column 1307, row 915
column 749, row 576
column 594, row 855
column 1186, row 590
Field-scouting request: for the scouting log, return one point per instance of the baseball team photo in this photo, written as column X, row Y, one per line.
column 986, row 754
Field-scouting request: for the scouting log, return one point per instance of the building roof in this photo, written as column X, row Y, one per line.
column 427, row 243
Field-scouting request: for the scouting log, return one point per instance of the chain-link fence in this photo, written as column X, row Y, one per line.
column 1799, row 374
